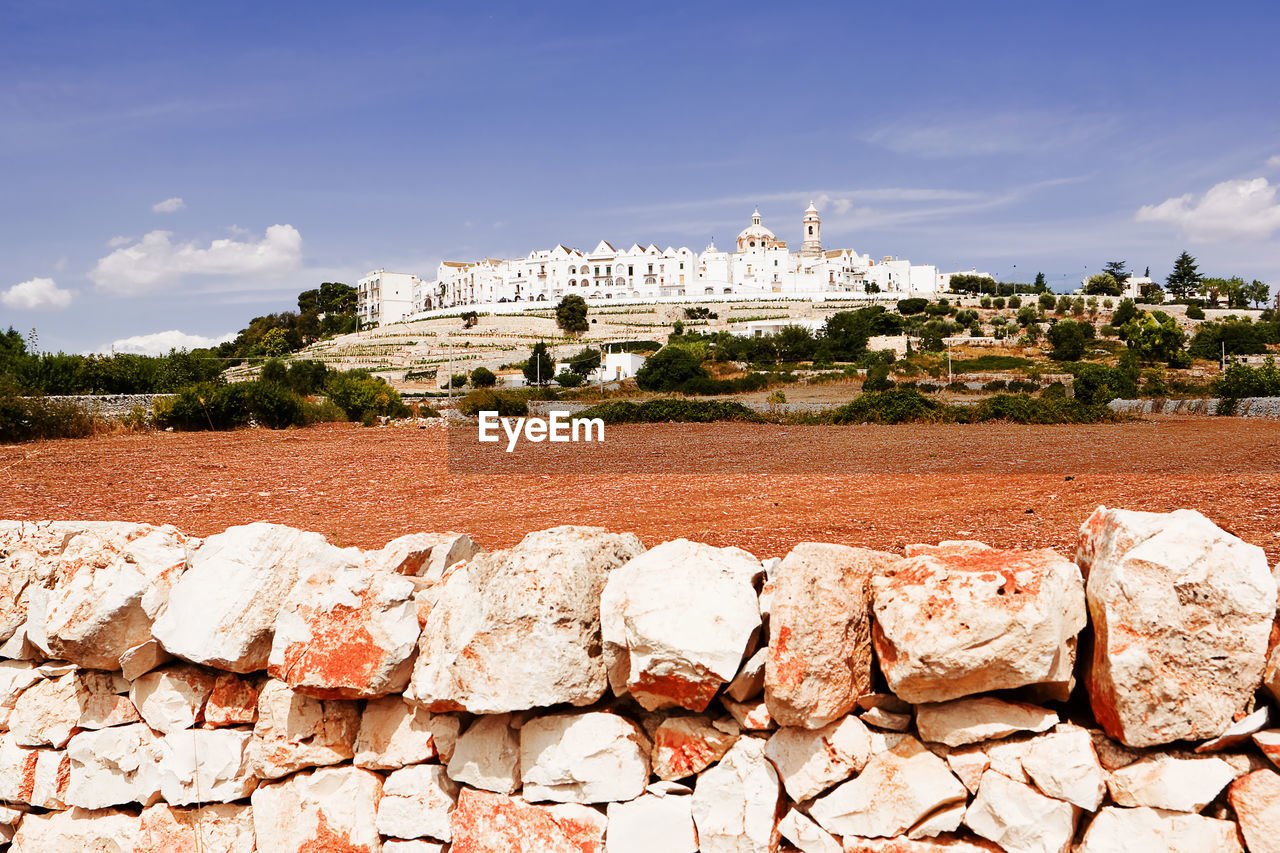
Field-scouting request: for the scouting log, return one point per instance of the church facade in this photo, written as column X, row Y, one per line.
column 760, row 264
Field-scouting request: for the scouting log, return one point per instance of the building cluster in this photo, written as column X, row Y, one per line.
column 760, row 265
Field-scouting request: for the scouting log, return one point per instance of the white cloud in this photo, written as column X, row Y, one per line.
column 1232, row 210
column 38, row 294
column 156, row 260
column 160, row 343
column 967, row 136
column 169, row 205
column 1274, row 162
column 116, row 242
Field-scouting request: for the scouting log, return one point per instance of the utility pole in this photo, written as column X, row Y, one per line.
column 949, row 378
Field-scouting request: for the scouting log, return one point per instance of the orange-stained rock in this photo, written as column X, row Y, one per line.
column 809, row 761
column 221, row 828
column 394, row 733
column 737, row 803
column 49, row 711
column 109, row 586
column 1256, row 801
column 1120, row 830
column 941, row 844
column 952, row 623
column 678, row 621
column 232, row 702
column 173, row 698
column 425, row 555
column 346, row 633
column 294, row 731
column 819, row 659
column 485, row 822
column 1181, row 612
column 34, row 777
column 77, row 831
column 330, row 810
column 520, row 628
column 684, row 746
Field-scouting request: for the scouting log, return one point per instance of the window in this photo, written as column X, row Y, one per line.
column 682, row 265
column 631, row 270
column 608, row 270
column 597, row 270
column 811, row 230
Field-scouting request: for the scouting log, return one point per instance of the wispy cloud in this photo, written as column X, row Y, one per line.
column 37, row 294
column 984, row 135
column 1244, row 209
column 169, row 205
column 156, row 260
column 1274, row 162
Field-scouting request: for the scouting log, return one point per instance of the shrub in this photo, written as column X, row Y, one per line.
column 1195, row 312
column 1054, row 390
column 1240, row 380
column 900, row 405
column 307, row 376
column 914, row 305
column 877, row 379
column 357, row 392
column 996, row 385
column 483, row 377
column 31, row 418
column 273, row 405
column 569, row 379
column 1024, row 409
column 668, row 369
column 666, row 410
column 1098, row 384
column 507, row 405
column 274, row 371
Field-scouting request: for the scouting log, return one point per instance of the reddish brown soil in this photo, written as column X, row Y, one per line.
column 761, row 488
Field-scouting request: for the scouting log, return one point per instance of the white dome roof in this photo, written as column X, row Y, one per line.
column 755, row 229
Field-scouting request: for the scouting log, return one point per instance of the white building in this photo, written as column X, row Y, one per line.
column 760, row 264
column 618, row 366
column 386, row 297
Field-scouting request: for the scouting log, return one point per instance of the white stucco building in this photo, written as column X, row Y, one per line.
column 386, row 297
column 759, row 264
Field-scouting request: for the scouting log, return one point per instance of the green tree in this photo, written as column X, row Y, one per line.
column 1046, row 301
column 1124, row 313
column 274, row 343
column 668, row 369
column 1155, row 337
column 540, row 368
column 1152, row 293
column 469, row 319
column 1040, row 284
column 1117, row 270
column 1099, row 384
column 794, row 343
column 1258, row 292
column 1067, row 337
column 483, row 377
column 1185, row 278
column 274, row 372
column 1103, row 284
column 585, row 361
column 571, row 314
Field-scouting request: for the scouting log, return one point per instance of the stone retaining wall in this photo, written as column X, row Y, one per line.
column 1246, row 407
column 264, row 689
column 112, row 405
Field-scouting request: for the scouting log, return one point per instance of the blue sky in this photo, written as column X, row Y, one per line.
column 184, row 167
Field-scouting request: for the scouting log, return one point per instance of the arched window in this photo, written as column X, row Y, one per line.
column 573, row 282
column 753, row 244
column 573, row 270
column 810, row 229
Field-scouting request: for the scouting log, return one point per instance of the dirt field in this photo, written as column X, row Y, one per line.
column 762, row 488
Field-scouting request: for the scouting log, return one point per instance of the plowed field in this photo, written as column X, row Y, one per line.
column 759, row 487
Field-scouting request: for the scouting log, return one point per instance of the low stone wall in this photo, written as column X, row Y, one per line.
column 265, row 689
column 112, row 405
column 1246, row 407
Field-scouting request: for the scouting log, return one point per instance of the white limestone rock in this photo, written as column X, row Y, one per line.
column 519, row 629
column 205, row 766
column 677, row 623
column 77, row 831
column 222, row 611
column 749, row 682
column 173, row 698
column 138, row 660
column 750, row 716
column 1019, row 818
column 979, row 718
column 894, row 792
column 113, row 767
column 737, row 803
column 425, row 555
column 1171, row 783
column 594, row 757
column 805, row 835
column 47, row 712
column 218, row 828
column 108, row 587
column 416, row 845
column 819, row 653
column 1064, row 765
column 955, row 623
column 294, row 731
column 685, row 746
column 232, row 702
column 416, row 803
column 809, row 761
column 15, row 677
column 1120, row 830
column 394, row 734
column 487, row 755
column 346, row 633
column 650, row 823
column 1182, row 611
column 329, row 809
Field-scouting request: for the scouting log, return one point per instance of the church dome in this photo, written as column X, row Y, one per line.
column 755, row 230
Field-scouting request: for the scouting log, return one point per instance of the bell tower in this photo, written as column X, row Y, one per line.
column 812, row 245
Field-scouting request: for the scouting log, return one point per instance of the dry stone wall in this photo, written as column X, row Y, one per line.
column 263, row 689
